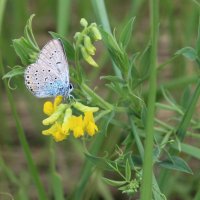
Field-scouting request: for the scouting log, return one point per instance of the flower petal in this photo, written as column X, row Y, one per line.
column 48, row 108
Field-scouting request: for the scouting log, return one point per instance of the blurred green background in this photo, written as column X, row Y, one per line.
column 178, row 28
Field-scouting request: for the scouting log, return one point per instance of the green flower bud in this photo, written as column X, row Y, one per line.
column 88, row 45
column 96, row 33
column 87, row 57
column 83, row 22
column 77, row 35
column 58, row 112
column 83, row 108
column 33, row 57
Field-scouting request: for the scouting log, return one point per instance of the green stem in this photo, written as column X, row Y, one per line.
column 25, row 146
column 102, row 102
column 146, row 188
column 156, row 191
column 2, row 9
column 86, row 170
column 63, row 16
column 182, row 129
column 161, row 66
column 55, row 177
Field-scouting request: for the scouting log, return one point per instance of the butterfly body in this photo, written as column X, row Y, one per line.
column 49, row 75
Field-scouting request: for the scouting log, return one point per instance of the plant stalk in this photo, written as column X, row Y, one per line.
column 146, row 188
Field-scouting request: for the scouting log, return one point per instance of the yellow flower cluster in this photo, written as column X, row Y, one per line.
column 63, row 122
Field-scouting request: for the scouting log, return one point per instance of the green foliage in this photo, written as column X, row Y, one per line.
column 117, row 153
column 176, row 163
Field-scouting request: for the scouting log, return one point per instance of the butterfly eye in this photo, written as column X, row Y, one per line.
column 70, row 86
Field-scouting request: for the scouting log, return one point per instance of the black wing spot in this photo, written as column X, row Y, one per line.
column 55, row 51
column 58, row 63
column 36, row 71
column 28, row 82
column 43, row 70
column 46, row 79
column 27, row 77
column 49, row 70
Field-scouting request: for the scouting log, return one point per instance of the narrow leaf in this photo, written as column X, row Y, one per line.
column 188, row 52
column 17, row 70
column 128, row 171
column 126, row 32
column 176, row 163
column 113, row 182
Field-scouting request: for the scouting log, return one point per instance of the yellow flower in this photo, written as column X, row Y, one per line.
column 66, row 124
column 89, row 123
column 63, row 122
column 76, row 125
column 48, row 108
column 57, row 101
column 57, row 132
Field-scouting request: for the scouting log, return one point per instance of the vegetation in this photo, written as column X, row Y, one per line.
column 131, row 129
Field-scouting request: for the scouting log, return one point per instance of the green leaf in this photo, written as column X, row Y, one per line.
column 118, row 55
column 176, row 163
column 57, row 186
column 189, row 150
column 17, row 70
column 126, row 33
column 186, row 97
column 112, row 79
column 144, row 61
column 113, row 182
column 25, row 51
column 188, row 52
column 128, row 171
column 69, row 49
column 28, row 33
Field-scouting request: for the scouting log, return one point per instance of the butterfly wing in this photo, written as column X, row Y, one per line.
column 52, row 56
column 42, row 82
column 49, row 76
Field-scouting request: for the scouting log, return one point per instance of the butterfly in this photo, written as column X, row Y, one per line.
column 49, row 75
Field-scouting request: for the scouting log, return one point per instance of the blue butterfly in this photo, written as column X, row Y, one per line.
column 49, row 75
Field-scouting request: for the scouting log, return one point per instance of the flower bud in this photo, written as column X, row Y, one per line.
column 88, row 45
column 87, row 57
column 83, row 108
column 77, row 35
column 83, row 22
column 96, row 33
column 52, row 118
